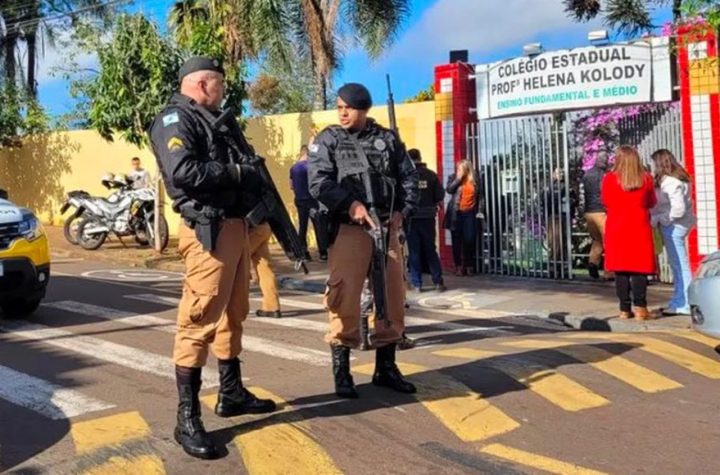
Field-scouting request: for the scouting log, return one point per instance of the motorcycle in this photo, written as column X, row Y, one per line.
column 78, row 198
column 132, row 215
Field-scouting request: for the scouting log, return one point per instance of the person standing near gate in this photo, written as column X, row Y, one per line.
column 462, row 214
column 258, row 237
column 421, row 227
column 208, row 185
column 628, row 193
column 595, row 215
column 307, row 206
column 352, row 165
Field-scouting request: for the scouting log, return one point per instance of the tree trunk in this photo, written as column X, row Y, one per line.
column 9, row 52
column 320, row 85
column 677, row 10
column 31, row 39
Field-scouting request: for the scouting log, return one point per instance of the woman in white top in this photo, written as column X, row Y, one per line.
column 673, row 214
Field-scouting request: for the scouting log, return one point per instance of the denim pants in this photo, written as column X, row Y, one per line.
column 674, row 237
column 423, row 254
column 464, row 235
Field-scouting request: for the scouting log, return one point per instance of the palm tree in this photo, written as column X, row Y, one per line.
column 253, row 28
column 25, row 21
column 373, row 23
column 629, row 17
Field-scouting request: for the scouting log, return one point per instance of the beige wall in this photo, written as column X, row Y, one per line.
column 39, row 174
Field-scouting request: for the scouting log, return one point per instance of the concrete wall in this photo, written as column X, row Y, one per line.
column 39, row 174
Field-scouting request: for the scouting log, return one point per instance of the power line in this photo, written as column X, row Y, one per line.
column 43, row 19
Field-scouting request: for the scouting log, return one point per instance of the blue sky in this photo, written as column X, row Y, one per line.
column 490, row 29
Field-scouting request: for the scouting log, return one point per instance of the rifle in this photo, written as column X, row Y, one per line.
column 379, row 235
column 391, row 107
column 271, row 207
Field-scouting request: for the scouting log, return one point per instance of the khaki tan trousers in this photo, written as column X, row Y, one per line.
column 349, row 261
column 260, row 256
column 214, row 302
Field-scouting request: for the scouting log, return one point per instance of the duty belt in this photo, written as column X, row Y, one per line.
column 205, row 220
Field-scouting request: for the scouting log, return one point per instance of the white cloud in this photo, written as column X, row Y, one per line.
column 482, row 26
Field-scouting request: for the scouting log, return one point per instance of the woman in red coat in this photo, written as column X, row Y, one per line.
column 628, row 194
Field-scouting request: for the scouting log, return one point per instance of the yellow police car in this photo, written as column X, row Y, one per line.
column 24, row 260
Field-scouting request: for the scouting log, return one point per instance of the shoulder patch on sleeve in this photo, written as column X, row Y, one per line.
column 314, row 148
column 175, row 143
column 171, row 118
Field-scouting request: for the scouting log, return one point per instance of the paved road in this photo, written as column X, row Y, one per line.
column 86, row 385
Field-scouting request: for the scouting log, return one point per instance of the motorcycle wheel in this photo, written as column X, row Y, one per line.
column 164, row 233
column 142, row 238
column 70, row 228
column 89, row 242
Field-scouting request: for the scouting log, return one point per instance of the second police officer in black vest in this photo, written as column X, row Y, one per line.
column 336, row 172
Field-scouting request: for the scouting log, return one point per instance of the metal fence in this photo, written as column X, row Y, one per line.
column 531, row 171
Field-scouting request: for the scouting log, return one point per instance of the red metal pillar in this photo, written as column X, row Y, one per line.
column 699, row 69
column 455, row 103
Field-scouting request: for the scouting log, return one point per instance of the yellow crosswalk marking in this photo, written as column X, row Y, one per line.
column 143, row 464
column 280, row 447
column 675, row 354
column 467, row 353
column 545, row 382
column 111, row 433
column 698, row 337
column 460, row 409
column 537, row 461
column 618, row 367
column 107, row 431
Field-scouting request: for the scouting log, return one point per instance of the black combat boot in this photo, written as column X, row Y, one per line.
column 233, row 399
column 190, row 432
column 387, row 373
column 344, row 384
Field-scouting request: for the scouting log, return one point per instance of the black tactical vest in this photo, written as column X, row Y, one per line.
column 351, row 167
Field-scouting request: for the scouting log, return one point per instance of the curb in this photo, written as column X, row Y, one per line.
column 605, row 324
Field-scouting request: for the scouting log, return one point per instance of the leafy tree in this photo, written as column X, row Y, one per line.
column 281, row 88
column 373, row 23
column 629, row 17
column 235, row 32
column 423, row 96
column 138, row 73
column 20, row 115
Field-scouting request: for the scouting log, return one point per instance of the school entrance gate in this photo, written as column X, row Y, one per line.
column 531, row 223
column 531, row 169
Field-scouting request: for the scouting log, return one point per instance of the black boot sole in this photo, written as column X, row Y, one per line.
column 210, row 455
column 243, row 411
column 383, row 384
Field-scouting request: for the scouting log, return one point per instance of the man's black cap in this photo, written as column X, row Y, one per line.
column 415, row 155
column 200, row 63
column 356, row 96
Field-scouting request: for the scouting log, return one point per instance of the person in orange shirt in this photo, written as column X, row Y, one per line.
column 462, row 214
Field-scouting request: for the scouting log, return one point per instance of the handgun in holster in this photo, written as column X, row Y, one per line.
column 205, row 221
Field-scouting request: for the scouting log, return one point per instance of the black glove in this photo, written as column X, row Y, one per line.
column 250, row 178
column 235, row 172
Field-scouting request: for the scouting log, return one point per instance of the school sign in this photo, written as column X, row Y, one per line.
column 581, row 78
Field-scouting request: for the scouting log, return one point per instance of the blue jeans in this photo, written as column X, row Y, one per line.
column 674, row 237
column 464, row 235
column 421, row 247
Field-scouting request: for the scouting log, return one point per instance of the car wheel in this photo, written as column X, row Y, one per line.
column 20, row 308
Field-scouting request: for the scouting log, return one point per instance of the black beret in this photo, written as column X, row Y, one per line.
column 356, row 96
column 200, row 63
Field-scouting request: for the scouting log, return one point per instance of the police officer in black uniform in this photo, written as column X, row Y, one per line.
column 336, row 171
column 201, row 165
column 421, row 227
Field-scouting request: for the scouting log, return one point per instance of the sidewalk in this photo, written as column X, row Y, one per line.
column 580, row 304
